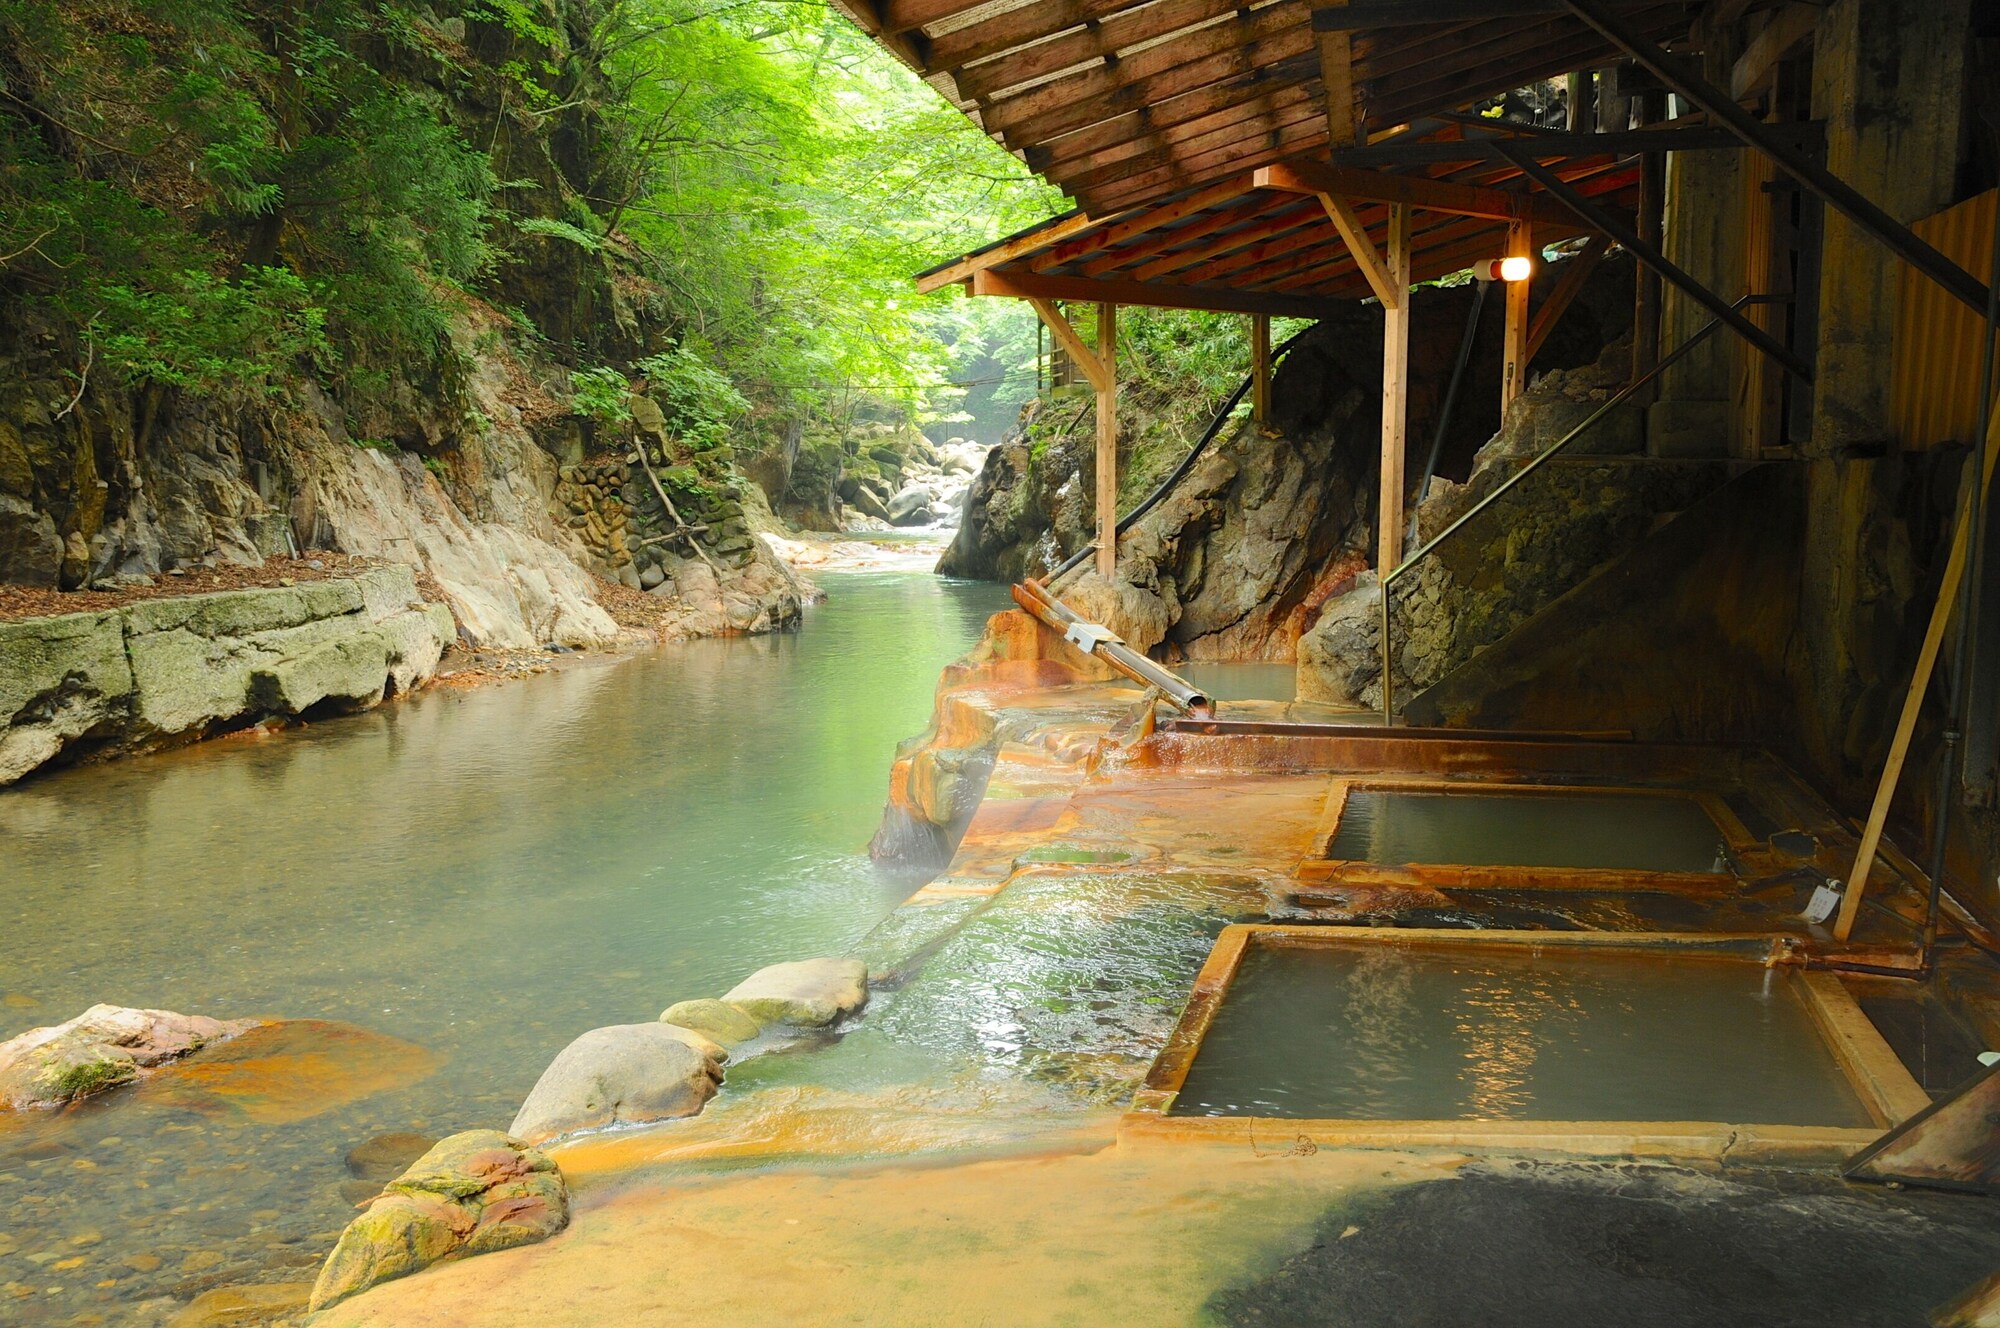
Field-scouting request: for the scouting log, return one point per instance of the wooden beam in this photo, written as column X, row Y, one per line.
column 1395, row 393
column 1017, row 28
column 1514, row 349
column 1262, row 37
column 1257, row 145
column 1199, row 105
column 1307, row 177
column 1575, row 272
column 1246, row 238
column 1161, row 240
column 1255, row 140
column 1977, row 480
column 1361, row 15
column 1345, row 125
column 1094, row 370
column 1372, row 265
column 899, row 16
column 1107, row 441
column 1156, row 126
column 1783, row 30
column 1238, row 126
column 1096, row 41
column 1050, row 232
column 1138, row 223
column 1260, row 368
column 1555, row 146
column 1027, row 285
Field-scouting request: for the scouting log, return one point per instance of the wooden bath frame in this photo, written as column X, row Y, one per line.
column 1318, row 868
column 1886, row 1089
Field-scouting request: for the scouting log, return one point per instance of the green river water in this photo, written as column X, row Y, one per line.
column 485, row 873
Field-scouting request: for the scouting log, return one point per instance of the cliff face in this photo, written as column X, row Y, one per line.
column 451, row 465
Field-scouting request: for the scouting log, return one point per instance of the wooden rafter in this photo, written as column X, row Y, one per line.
column 1576, row 271
column 1373, row 266
column 1097, row 41
column 1095, row 369
column 1308, row 177
column 1069, row 250
column 1345, row 125
column 1007, row 250
column 1024, row 285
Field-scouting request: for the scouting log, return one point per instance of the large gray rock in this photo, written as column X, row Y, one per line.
column 623, row 1074
column 473, row 1193
column 61, row 679
column 910, row 507
column 808, row 993
column 103, row 1047
column 164, row 670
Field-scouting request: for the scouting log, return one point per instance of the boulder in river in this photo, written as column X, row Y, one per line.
column 809, row 993
column 473, row 1193
column 103, row 1047
column 911, row 507
column 719, row 1021
column 626, row 1073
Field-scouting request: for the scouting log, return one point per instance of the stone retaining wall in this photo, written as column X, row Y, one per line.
column 166, row 671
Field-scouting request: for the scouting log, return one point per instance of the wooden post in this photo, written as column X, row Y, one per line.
column 1514, row 365
column 1260, row 368
column 1107, row 441
column 1395, row 390
column 1906, row 725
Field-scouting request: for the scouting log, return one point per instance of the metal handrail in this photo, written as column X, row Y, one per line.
column 1624, row 395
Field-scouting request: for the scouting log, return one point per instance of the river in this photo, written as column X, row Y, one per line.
column 482, row 873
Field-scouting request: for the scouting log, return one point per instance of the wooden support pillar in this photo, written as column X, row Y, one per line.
column 1514, row 355
column 1107, row 440
column 1260, row 368
column 1395, row 390
column 1099, row 367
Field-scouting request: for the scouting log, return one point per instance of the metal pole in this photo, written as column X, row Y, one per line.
column 1604, row 223
column 1822, row 182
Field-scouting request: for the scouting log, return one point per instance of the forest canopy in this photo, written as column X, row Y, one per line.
column 211, row 194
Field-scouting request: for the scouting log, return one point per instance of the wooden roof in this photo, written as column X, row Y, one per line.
column 1124, row 104
column 1261, row 241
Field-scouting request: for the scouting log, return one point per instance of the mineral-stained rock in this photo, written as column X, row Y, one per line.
column 473, row 1193
column 718, row 1021
column 622, row 1074
column 809, row 993
column 103, row 1047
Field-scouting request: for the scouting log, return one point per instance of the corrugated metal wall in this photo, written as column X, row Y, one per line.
column 1935, row 396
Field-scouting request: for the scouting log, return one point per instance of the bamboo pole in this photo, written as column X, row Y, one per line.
column 1906, row 724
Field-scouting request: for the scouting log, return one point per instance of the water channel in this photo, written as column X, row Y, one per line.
column 472, row 876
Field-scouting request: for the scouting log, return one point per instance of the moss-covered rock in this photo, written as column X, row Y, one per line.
column 473, row 1193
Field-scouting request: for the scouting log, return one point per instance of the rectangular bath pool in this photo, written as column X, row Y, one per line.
column 1400, row 1033
column 1614, row 1044
column 1623, row 830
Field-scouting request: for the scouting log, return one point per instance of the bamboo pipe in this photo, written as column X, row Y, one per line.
column 1060, row 618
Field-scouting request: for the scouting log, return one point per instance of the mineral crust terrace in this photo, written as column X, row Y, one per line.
column 1091, row 850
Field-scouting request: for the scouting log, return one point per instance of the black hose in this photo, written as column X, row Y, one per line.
column 1167, row 485
column 1451, row 395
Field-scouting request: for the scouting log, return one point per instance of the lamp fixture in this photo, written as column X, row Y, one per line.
column 1515, row 267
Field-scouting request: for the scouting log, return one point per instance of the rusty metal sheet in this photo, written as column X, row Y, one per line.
column 1954, row 1144
column 1934, row 397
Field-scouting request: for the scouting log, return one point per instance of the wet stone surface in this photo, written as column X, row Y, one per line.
column 1550, row 1246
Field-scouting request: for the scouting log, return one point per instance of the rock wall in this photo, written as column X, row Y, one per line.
column 130, row 483
column 1547, row 535
column 164, row 671
column 1034, row 502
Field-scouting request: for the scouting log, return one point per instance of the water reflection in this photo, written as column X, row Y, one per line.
column 484, row 874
